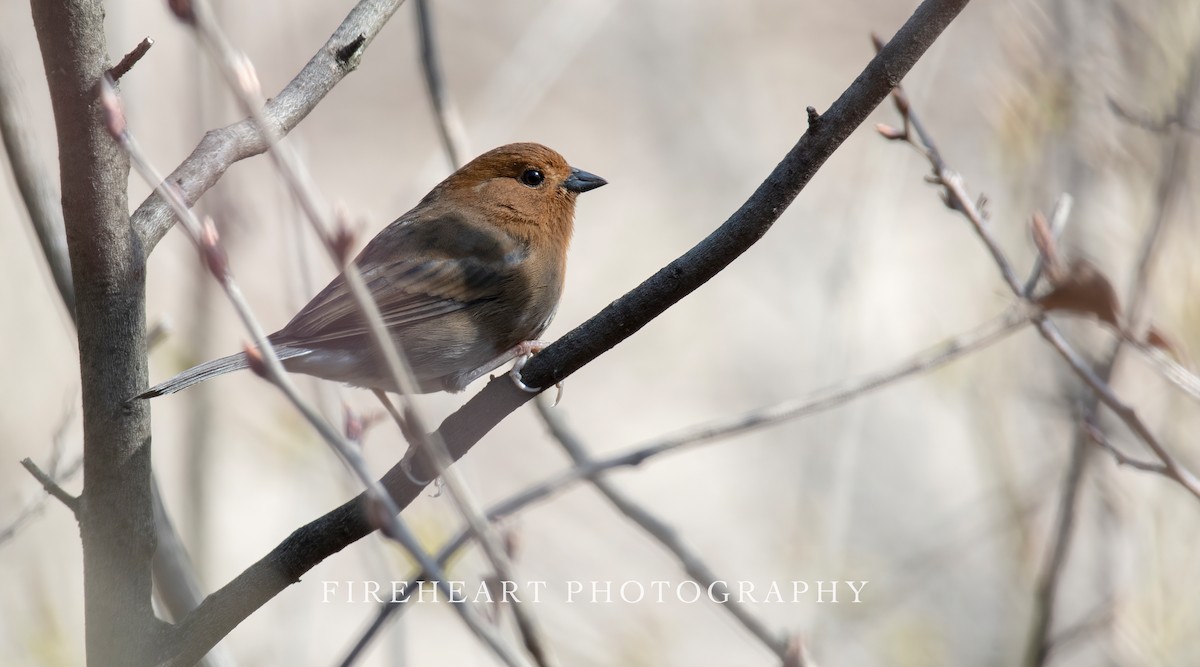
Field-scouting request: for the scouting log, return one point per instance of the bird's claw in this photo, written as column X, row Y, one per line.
column 524, row 352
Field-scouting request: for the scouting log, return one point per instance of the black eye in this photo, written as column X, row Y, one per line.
column 532, row 177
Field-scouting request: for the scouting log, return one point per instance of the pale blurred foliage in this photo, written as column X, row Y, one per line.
column 941, row 492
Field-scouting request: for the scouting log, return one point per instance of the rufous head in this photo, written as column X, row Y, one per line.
column 522, row 186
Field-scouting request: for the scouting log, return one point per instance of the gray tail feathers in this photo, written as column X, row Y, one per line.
column 211, row 369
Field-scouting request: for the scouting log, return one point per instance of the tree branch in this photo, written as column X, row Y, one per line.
column 51, row 486
column 37, row 189
column 108, row 270
column 312, row 543
column 663, row 533
column 219, row 149
column 445, row 112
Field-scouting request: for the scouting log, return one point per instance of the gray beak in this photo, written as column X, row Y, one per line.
column 582, row 181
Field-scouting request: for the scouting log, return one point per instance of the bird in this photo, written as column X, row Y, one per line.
column 465, row 281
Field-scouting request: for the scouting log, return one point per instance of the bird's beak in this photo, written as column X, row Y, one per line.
column 582, row 181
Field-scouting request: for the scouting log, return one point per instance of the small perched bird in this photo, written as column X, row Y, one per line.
column 464, row 281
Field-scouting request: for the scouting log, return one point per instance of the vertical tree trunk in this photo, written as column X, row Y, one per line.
column 115, row 518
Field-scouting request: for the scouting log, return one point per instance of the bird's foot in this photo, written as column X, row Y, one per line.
column 523, row 352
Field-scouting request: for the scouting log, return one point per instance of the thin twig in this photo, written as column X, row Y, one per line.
column 1046, row 591
column 1058, row 222
column 927, row 360
column 34, row 507
column 445, row 112
column 661, row 532
column 1174, row 470
column 1097, row 436
column 1175, row 372
column 1157, row 125
column 122, row 68
column 51, row 486
column 37, row 187
column 219, row 149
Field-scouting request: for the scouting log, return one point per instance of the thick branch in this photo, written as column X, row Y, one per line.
column 311, row 544
column 108, row 271
column 219, row 149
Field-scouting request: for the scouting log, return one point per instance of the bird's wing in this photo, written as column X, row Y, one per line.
column 416, row 271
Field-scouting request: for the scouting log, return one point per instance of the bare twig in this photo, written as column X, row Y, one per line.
column 1162, row 125
column 56, row 471
column 34, row 182
column 33, row 507
column 51, row 486
column 122, row 68
column 661, row 532
column 1046, row 590
column 1058, row 222
column 445, row 112
column 221, row 148
column 927, row 360
column 1097, row 436
column 1172, row 370
column 1173, row 469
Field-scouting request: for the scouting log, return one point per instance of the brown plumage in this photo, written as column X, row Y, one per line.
column 469, row 274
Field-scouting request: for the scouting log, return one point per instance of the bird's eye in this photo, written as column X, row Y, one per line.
column 532, row 177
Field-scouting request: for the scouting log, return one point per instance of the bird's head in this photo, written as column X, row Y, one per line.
column 523, row 187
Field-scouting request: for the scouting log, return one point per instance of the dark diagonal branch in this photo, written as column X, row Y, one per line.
column 219, row 149
column 311, row 544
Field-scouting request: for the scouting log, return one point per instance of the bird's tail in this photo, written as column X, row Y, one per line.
column 211, row 369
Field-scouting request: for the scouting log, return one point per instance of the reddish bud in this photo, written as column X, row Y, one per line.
column 255, row 360
column 356, row 424
column 344, row 237
column 110, row 105
column 247, row 77
column 1043, row 238
column 889, row 132
column 212, row 251
column 511, row 538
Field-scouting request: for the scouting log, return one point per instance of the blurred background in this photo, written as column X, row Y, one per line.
column 942, row 492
